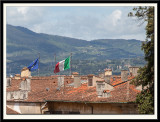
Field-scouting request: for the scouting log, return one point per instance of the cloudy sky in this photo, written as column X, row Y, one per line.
column 82, row 22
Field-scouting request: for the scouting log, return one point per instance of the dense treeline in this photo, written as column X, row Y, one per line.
column 145, row 99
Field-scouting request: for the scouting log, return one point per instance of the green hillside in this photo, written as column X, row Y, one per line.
column 24, row 45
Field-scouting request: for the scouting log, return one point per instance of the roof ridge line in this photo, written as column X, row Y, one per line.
column 120, row 83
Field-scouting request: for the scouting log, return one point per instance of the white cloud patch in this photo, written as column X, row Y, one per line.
column 25, row 16
column 22, row 10
column 116, row 16
column 77, row 23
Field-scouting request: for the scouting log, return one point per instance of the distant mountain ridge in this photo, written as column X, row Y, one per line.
column 23, row 43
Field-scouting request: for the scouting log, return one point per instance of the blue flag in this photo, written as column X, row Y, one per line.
column 34, row 65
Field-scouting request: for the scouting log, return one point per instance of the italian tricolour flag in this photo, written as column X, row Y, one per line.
column 62, row 65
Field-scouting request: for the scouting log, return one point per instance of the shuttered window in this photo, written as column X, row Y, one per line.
column 100, row 89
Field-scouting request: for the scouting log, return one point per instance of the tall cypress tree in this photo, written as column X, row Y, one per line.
column 145, row 78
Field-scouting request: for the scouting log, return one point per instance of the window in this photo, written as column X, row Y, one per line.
column 74, row 112
column 101, row 86
column 8, row 82
column 89, row 82
column 52, row 112
column 61, row 112
column 99, row 93
column 65, row 112
column 55, row 112
column 24, row 96
column 46, row 112
column 12, row 97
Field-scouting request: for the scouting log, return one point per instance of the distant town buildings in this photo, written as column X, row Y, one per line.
column 75, row 94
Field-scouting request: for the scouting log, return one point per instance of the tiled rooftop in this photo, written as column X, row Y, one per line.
column 46, row 89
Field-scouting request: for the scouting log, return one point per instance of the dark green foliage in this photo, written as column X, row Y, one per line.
column 130, row 46
column 145, row 102
column 145, row 78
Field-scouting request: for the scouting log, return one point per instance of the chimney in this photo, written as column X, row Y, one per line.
column 17, row 76
column 124, row 75
column 90, row 80
column 25, row 72
column 103, row 89
column 28, row 83
column 74, row 74
column 77, row 81
column 133, row 71
column 127, row 94
column 60, row 81
column 25, row 84
column 101, row 75
column 100, row 86
column 108, row 72
column 107, row 78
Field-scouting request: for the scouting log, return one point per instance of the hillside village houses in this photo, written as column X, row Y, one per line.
column 74, row 94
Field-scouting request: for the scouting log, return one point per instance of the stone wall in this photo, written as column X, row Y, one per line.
column 124, row 75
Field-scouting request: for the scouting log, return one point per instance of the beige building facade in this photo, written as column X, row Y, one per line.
column 90, row 108
column 26, row 107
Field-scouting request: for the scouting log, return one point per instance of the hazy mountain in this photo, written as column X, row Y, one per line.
column 23, row 46
column 23, row 43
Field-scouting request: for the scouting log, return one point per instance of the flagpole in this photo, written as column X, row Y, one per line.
column 71, row 65
column 55, row 61
column 39, row 62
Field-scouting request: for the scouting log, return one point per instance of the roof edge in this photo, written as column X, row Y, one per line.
column 87, row 101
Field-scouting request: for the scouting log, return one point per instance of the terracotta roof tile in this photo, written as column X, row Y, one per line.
column 14, row 85
column 45, row 89
column 75, row 73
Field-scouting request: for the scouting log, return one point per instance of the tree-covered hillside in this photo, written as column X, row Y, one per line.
column 24, row 45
